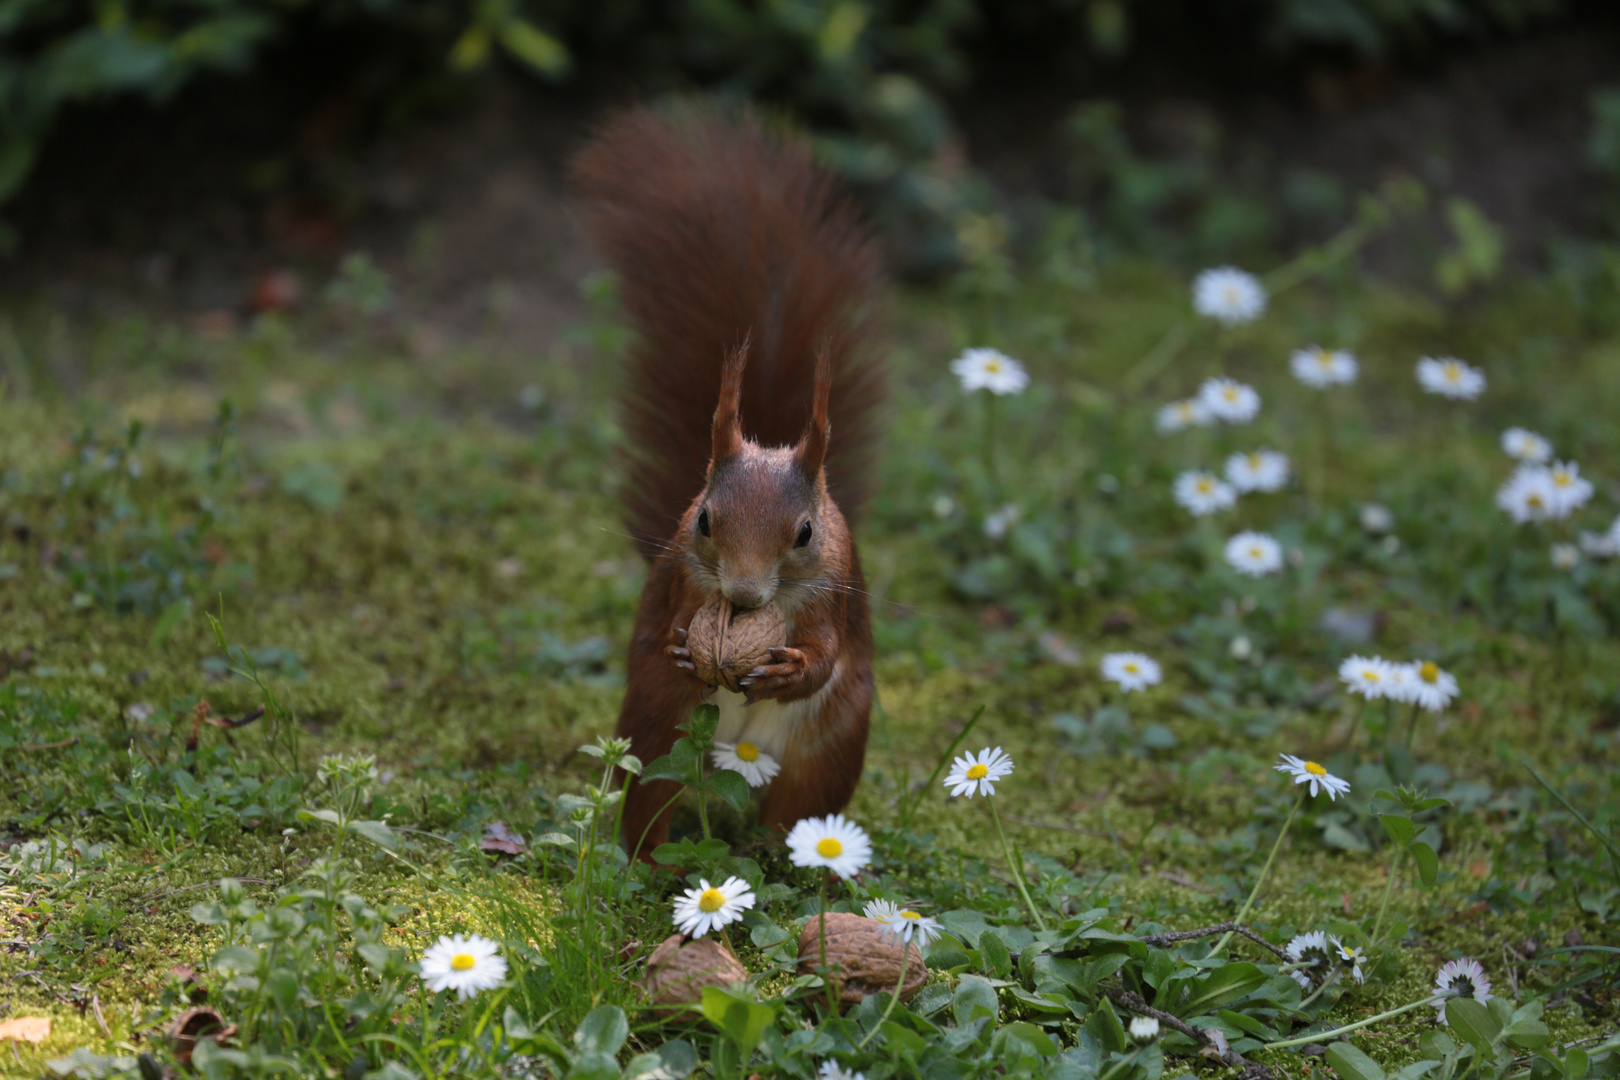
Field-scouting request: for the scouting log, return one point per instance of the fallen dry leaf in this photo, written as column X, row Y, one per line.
column 26, row 1028
column 498, row 836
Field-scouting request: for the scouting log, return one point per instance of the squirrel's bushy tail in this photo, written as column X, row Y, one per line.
column 722, row 232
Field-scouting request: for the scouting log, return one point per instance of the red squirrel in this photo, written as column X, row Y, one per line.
column 756, row 299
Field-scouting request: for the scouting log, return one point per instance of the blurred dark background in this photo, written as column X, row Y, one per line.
column 219, row 157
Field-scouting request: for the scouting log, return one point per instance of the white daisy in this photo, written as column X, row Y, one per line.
column 1529, row 494
column 1526, row 445
column 1565, row 556
column 1367, row 676
column 1433, row 689
column 1132, row 671
column 1450, row 377
column 1603, row 545
column 1179, row 415
column 1460, row 978
column 1322, row 368
column 976, row 774
column 1376, row 519
column 997, row 524
column 831, row 1070
column 1254, row 554
column 1260, row 470
column 1309, row 772
column 1228, row 295
column 709, row 907
column 1350, row 958
column 1229, row 400
column 987, row 369
column 756, row 766
column 467, row 965
column 833, row 841
column 1144, row 1029
column 1311, row 948
column 903, row 923
column 1203, row 493
column 1570, row 492
column 1400, row 682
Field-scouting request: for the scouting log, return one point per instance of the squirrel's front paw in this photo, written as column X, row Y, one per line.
column 679, row 653
column 771, row 680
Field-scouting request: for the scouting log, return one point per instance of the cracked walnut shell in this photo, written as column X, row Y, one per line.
column 866, row 961
column 727, row 643
column 678, row 970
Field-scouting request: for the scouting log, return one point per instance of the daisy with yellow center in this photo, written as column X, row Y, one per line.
column 1228, row 295
column 903, row 924
column 1322, row 368
column 1533, row 494
column 1366, row 675
column 976, row 774
column 468, row 965
column 1432, row 688
column 1203, row 493
column 1229, row 400
column 710, row 907
column 832, row 842
column 1303, row 772
column 1180, row 415
column 1261, row 470
column 746, row 759
column 1254, row 554
column 1450, row 377
column 1317, row 776
column 1131, row 671
column 988, row 369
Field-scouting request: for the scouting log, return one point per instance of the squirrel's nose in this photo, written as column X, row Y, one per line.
column 747, row 594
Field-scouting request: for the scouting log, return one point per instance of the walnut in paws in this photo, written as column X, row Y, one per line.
column 727, row 643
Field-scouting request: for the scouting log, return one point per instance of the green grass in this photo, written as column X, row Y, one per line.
column 422, row 568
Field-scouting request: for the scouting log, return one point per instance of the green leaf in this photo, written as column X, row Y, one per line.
column 377, row 832
column 974, row 997
column 1474, row 1022
column 675, row 765
column 731, row 787
column 997, row 960
column 1104, row 1026
column 903, row 1039
column 1352, row 1064
column 603, row 1031
column 1428, row 864
column 1400, row 829
column 1040, row 1040
column 1576, row 1064
column 535, row 47
column 740, row 1019
column 1227, row 983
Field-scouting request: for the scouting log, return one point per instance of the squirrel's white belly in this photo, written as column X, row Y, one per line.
column 769, row 724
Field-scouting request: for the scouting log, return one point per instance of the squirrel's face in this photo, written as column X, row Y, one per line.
column 756, row 532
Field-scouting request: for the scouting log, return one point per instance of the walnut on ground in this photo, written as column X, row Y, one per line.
column 678, row 970
column 727, row 643
column 862, row 958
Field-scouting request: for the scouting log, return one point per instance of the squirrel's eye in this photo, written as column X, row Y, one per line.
column 703, row 521
column 804, row 535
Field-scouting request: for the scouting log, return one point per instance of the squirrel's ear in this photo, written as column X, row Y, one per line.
column 812, row 448
column 726, row 436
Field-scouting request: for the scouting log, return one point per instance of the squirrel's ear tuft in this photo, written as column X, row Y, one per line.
column 812, row 448
column 727, row 432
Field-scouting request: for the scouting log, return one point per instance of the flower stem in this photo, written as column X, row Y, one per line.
column 1323, row 1036
column 1261, row 880
column 1016, row 866
column 1389, row 888
column 905, row 958
column 1327, row 982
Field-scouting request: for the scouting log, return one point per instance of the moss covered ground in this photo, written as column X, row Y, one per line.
column 417, row 551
